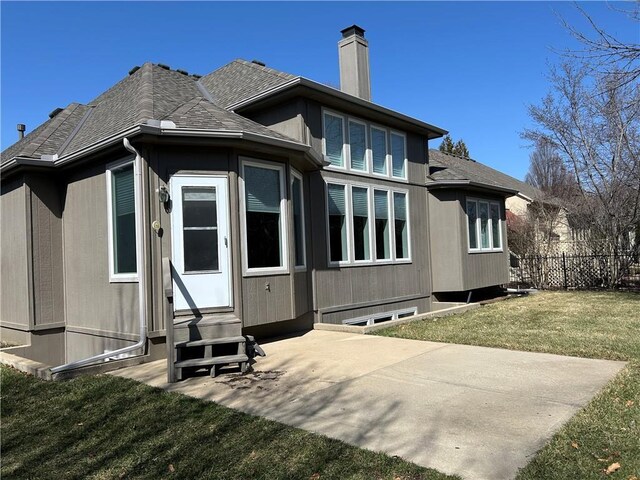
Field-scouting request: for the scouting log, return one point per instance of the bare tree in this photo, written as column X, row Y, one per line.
column 596, row 132
column 548, row 173
column 604, row 53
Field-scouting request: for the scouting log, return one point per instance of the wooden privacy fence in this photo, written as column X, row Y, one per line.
column 575, row 271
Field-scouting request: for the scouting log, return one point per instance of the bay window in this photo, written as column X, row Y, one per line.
column 297, row 202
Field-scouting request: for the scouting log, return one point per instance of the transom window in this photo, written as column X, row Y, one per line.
column 484, row 225
column 122, row 222
column 264, row 220
column 358, row 146
column 366, row 224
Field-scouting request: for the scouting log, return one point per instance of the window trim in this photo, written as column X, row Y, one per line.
column 297, row 175
column 262, row 271
column 373, row 260
column 110, row 168
column 479, row 248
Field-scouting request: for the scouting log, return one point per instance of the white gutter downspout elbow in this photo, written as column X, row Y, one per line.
column 142, row 274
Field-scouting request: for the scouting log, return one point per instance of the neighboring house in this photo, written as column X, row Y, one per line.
column 177, row 208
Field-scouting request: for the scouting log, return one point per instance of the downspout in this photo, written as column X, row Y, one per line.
column 140, row 258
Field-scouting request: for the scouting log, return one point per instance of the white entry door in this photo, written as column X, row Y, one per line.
column 200, row 242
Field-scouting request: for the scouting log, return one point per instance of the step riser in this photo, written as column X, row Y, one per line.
column 199, row 332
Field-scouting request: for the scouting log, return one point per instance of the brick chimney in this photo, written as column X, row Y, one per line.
column 353, row 51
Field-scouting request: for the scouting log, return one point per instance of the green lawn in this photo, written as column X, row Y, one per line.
column 586, row 324
column 106, row 427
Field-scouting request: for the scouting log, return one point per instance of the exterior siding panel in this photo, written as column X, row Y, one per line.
column 14, row 301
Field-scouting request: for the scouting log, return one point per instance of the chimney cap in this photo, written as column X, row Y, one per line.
column 352, row 30
column 21, row 127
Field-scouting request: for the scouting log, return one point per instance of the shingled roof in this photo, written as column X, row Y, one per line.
column 447, row 168
column 240, row 80
column 152, row 92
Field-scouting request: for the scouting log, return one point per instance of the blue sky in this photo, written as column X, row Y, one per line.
column 468, row 67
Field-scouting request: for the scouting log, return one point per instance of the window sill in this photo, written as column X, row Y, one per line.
column 486, row 250
column 123, row 279
column 265, row 273
column 380, row 263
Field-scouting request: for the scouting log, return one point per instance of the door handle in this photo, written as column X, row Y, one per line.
column 226, row 243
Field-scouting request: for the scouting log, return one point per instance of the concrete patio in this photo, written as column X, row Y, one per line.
column 478, row 412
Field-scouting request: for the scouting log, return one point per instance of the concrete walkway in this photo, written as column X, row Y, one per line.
column 481, row 413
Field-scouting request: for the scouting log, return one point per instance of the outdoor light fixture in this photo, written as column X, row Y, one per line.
column 163, row 195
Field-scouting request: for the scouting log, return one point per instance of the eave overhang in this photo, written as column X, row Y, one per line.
column 55, row 162
column 468, row 184
column 302, row 84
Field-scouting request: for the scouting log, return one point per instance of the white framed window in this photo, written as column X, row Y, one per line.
column 379, row 151
column 401, row 225
column 382, row 224
column 362, row 147
column 264, row 220
column 334, row 139
column 297, row 202
column 381, row 317
column 484, row 225
column 366, row 224
column 361, row 223
column 358, row 158
column 337, row 224
column 121, row 221
column 398, row 155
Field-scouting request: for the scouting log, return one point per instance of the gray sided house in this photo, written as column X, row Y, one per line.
column 191, row 211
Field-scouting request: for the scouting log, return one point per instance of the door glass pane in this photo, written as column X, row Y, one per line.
column 495, row 225
column 200, row 229
column 358, row 145
column 200, row 250
column 199, row 207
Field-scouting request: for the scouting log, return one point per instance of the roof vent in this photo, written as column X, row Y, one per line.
column 162, row 65
column 196, row 76
column 55, row 112
column 258, row 62
column 21, row 127
column 134, row 70
column 183, row 72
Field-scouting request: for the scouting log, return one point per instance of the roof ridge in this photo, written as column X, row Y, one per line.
column 146, row 94
column 264, row 68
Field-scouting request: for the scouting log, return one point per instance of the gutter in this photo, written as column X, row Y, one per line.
column 142, row 280
column 433, row 185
